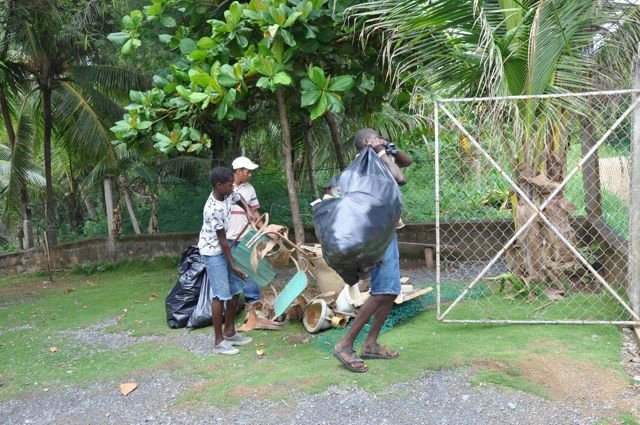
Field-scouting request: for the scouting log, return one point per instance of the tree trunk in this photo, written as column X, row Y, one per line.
column 311, row 163
column 334, row 130
column 590, row 170
column 298, row 228
column 76, row 215
column 26, row 238
column 153, row 220
column 50, row 204
column 539, row 255
column 236, row 151
column 26, row 233
column 108, row 205
column 124, row 189
column 91, row 209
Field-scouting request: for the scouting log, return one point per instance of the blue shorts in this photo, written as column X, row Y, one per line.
column 220, row 275
column 385, row 278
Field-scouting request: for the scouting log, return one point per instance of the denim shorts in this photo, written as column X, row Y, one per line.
column 385, row 278
column 220, row 275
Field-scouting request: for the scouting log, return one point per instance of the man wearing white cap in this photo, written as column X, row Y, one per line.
column 242, row 171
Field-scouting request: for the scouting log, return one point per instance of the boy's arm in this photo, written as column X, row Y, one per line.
column 251, row 213
column 378, row 146
column 403, row 159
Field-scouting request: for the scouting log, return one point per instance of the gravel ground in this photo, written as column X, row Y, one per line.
column 440, row 397
column 445, row 397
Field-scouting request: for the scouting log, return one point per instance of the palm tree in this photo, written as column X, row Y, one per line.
column 77, row 97
column 465, row 48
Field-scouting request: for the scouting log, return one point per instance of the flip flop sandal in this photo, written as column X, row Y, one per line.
column 350, row 365
column 382, row 352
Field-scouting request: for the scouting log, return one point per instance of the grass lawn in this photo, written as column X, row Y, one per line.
column 39, row 322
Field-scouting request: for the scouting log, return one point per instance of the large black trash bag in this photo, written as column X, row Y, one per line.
column 202, row 315
column 355, row 228
column 183, row 297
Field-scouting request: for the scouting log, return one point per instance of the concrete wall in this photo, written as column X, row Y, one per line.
column 468, row 240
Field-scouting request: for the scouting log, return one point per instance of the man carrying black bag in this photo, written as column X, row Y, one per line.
column 385, row 276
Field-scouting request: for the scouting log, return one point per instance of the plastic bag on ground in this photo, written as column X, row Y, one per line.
column 183, row 297
column 355, row 228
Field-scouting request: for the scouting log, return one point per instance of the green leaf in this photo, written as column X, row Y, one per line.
column 234, row 14
column 273, row 30
column 251, row 14
column 168, row 21
column 242, row 40
column 206, row 43
column 341, row 83
column 264, row 66
column 195, row 147
column 230, row 97
column 198, row 55
column 144, row 125
column 126, row 48
column 226, row 80
column 118, row 38
column 200, row 78
column 334, row 103
column 282, row 79
column 307, row 84
column 221, row 110
column 310, row 97
column 161, row 138
column 291, row 19
column 165, row 38
column 197, row 97
column 154, row 10
column 187, row 46
column 217, row 26
column 317, row 76
column 264, row 83
column 320, row 107
column 287, row 37
column 136, row 96
column 182, row 91
column 120, row 127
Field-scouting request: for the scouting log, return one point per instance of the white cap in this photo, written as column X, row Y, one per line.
column 243, row 162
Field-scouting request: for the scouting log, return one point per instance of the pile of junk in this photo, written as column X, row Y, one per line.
column 328, row 302
column 354, row 222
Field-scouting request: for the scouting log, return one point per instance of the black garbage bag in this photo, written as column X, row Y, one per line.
column 356, row 227
column 184, row 296
column 202, row 316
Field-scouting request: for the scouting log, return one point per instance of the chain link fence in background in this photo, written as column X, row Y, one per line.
column 533, row 202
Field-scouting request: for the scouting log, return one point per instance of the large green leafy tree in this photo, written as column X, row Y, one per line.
column 273, row 52
column 54, row 44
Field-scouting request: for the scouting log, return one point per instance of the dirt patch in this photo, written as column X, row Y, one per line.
column 595, row 390
column 590, row 387
column 29, row 290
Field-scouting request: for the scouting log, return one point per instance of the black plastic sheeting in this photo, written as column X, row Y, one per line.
column 355, row 228
column 188, row 304
column 183, row 297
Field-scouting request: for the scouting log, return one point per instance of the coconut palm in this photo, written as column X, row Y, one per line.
column 76, row 97
column 472, row 48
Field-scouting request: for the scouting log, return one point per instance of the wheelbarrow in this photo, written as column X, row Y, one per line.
column 294, row 287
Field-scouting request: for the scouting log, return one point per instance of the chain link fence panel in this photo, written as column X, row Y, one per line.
column 533, row 203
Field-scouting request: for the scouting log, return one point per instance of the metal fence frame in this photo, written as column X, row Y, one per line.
column 632, row 308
